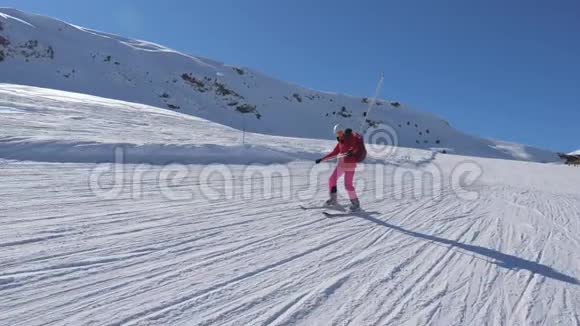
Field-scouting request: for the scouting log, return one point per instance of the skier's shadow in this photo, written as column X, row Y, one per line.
column 499, row 258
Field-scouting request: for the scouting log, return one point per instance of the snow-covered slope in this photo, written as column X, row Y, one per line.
column 575, row 152
column 56, row 126
column 45, row 52
column 139, row 244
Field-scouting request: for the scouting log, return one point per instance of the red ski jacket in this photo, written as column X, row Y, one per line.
column 346, row 143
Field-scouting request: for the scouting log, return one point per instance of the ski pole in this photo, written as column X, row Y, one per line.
column 337, row 157
column 372, row 102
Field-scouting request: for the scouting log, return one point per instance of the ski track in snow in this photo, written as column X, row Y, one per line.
column 509, row 256
column 79, row 260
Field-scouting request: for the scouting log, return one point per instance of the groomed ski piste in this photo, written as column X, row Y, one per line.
column 115, row 213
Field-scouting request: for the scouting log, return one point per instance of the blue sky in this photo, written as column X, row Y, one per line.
column 500, row 69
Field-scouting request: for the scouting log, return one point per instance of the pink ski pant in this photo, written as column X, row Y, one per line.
column 348, row 173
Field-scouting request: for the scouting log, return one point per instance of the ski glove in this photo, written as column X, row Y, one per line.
column 318, row 160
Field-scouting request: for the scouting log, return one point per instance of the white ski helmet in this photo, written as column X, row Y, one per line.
column 338, row 128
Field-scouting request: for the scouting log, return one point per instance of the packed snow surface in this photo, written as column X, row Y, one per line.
column 141, row 242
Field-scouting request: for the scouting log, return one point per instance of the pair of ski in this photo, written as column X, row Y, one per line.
column 338, row 208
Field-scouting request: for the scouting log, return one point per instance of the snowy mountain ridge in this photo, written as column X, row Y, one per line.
column 46, row 125
column 45, row 52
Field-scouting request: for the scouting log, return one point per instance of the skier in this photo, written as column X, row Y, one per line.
column 349, row 151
